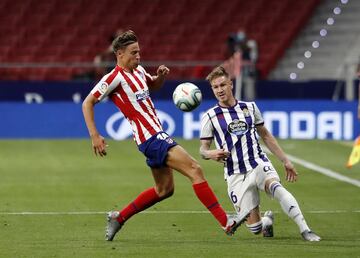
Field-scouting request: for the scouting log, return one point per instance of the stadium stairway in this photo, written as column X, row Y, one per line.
column 340, row 46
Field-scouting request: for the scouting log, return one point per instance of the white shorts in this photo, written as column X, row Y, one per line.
column 243, row 189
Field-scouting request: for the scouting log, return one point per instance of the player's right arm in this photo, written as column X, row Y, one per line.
column 98, row 142
column 219, row 155
column 206, row 138
column 101, row 90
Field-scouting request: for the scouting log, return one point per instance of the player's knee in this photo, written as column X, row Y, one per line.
column 255, row 228
column 165, row 192
column 196, row 172
column 196, row 168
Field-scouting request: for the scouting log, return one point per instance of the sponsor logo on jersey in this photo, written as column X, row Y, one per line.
column 238, row 127
column 142, row 95
column 103, row 88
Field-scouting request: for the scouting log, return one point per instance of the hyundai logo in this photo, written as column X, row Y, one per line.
column 118, row 128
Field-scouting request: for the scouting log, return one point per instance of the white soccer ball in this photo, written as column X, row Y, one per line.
column 187, row 96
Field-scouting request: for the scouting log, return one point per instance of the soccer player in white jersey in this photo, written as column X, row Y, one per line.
column 128, row 86
column 234, row 126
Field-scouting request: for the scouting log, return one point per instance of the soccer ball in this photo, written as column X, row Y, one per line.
column 187, row 96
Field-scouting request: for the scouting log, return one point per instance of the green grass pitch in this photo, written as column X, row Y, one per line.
column 62, row 176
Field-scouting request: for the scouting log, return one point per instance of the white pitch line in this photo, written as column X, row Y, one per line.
column 324, row 171
column 60, row 213
column 346, row 143
column 319, row 169
column 53, row 213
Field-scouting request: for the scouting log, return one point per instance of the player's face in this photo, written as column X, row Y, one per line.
column 222, row 89
column 130, row 56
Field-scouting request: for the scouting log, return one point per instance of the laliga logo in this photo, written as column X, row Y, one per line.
column 119, row 128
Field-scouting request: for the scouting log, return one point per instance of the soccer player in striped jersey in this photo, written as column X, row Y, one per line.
column 128, row 86
column 235, row 126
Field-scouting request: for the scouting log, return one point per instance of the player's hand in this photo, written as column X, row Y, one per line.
column 290, row 171
column 162, row 71
column 219, row 155
column 99, row 145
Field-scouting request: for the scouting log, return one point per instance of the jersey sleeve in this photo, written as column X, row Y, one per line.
column 207, row 129
column 104, row 87
column 257, row 114
column 148, row 77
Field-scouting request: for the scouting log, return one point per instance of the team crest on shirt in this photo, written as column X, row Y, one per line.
column 246, row 112
column 238, row 127
column 103, row 87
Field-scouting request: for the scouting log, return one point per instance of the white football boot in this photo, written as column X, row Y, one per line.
column 233, row 222
column 113, row 225
column 268, row 231
column 308, row 235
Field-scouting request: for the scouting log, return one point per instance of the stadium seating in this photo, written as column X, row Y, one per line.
column 55, row 31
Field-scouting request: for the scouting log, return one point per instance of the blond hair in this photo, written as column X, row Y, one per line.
column 217, row 72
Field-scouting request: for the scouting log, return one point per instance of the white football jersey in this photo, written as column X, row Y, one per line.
column 234, row 130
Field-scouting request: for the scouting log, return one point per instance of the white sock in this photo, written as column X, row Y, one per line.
column 289, row 204
column 255, row 228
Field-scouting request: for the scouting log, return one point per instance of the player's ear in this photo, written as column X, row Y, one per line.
column 119, row 53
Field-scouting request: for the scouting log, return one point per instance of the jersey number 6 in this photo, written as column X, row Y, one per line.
column 233, row 197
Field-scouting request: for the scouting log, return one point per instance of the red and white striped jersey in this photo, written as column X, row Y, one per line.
column 130, row 93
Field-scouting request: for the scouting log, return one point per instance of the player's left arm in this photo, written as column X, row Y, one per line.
column 274, row 147
column 158, row 80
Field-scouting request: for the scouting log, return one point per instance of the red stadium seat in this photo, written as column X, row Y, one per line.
column 182, row 30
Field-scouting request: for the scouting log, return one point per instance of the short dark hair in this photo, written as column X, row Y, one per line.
column 217, row 72
column 123, row 40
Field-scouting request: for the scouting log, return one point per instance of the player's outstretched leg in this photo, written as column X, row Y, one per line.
column 233, row 222
column 145, row 200
column 291, row 207
column 229, row 223
column 181, row 161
